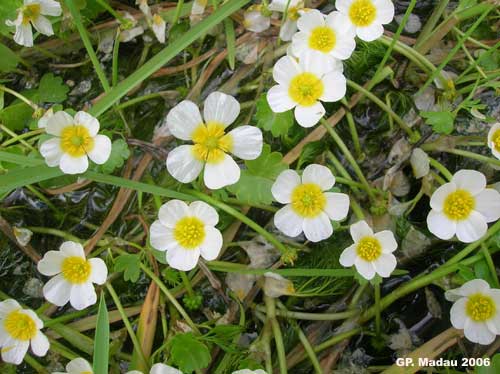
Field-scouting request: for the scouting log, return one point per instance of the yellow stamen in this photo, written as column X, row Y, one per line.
column 362, row 12
column 480, row 307
column 211, row 142
column 322, row 39
column 31, row 13
column 305, row 89
column 458, row 205
column 76, row 141
column 157, row 20
column 20, row 326
column 496, row 140
column 76, row 269
column 189, row 232
column 308, row 200
column 369, row 248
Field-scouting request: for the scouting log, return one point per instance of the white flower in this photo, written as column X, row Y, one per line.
column 309, row 209
column 211, row 142
column 240, row 284
column 42, row 122
column 295, row 8
column 303, row 86
column 371, row 253
column 198, row 7
column 72, row 276
column 476, row 310
column 33, row 12
column 77, row 366
column 144, row 7
column 463, row 207
column 158, row 26
column 186, row 232
column 75, row 141
column 18, row 328
column 248, row 371
column 131, row 33
column 254, row 20
column 158, row 369
column 327, row 38
column 494, row 140
column 366, row 17
column 275, row 285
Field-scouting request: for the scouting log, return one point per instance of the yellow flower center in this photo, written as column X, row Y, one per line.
column 31, row 12
column 496, row 140
column 480, row 307
column 76, row 269
column 211, row 142
column 293, row 13
column 308, row 200
column 157, row 20
column 189, row 232
column 305, row 89
column 20, row 326
column 369, row 248
column 322, row 39
column 76, row 141
column 362, row 13
column 458, row 205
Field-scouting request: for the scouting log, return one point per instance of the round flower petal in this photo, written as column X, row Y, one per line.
column 99, row 271
column 183, row 119
column 8, row 306
column 82, row 295
column 57, row 290
column 51, row 263
column 182, row 164
column 40, row 344
column 78, row 365
column 336, row 85
column 470, row 180
column 172, row 211
column 43, row 26
column 359, row 230
column 337, row 205
column 221, row 174
column 24, row 35
column 221, row 108
column 182, row 259
column 308, row 116
column 58, row 122
column 73, row 165
column 387, row 241
column 51, row 151
column 50, row 8
column 247, row 142
column 320, row 175
column 488, row 204
column 161, row 237
column 101, row 151
column 472, row 229
column 164, row 369
column 88, row 121
column 284, row 185
column 457, row 313
column 440, row 225
column 317, row 228
column 385, row 264
column 279, row 100
column 348, row 256
column 204, row 212
column 288, row 222
column 474, row 286
column 370, row 33
column 14, row 353
column 364, row 268
column 211, row 246
column 310, row 20
column 385, row 11
column 285, row 69
column 478, row 332
column 70, row 248
column 439, row 196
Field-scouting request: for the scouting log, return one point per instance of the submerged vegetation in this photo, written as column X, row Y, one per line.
column 238, row 187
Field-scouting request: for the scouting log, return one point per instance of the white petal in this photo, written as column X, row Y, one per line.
column 88, row 121
column 317, row 228
column 40, row 344
column 183, row 119
column 337, row 205
column 50, row 8
column 8, row 306
column 478, row 332
column 99, row 271
column 300, row 43
column 308, row 116
column 488, row 204
column 163, row 369
column 24, row 35
column 51, row 151
column 359, row 230
column 470, row 180
column 182, row 164
column 439, row 196
column 159, row 29
column 82, row 296
column 312, row 63
column 365, row 268
column 288, row 222
column 310, row 20
column 172, row 211
column 457, row 313
column 221, row 174
column 474, row 286
column 211, row 246
column 14, row 353
column 278, row 5
column 161, row 237
column 440, row 225
column 288, row 29
column 472, row 228
column 247, row 142
column 385, row 11
column 344, row 29
column 51, row 263
column 387, row 241
column 43, row 26
column 221, row 108
column 348, row 256
column 34, row 317
column 102, row 149
column 284, row 185
column 204, row 212
column 73, row 165
column 343, row 5
column 285, row 69
column 320, row 175
column 335, row 86
column 57, row 290
column 70, row 248
column 58, row 122
column 279, row 100
column 78, row 365
column 385, row 264
column 370, row 33
column 183, row 259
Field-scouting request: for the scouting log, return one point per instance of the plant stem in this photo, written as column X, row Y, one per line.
column 352, row 129
column 14, row 135
column 19, row 96
column 178, row 10
column 313, row 316
column 431, row 22
column 309, row 349
column 278, row 337
column 378, row 321
column 116, row 55
column 474, row 156
column 441, row 168
column 491, row 265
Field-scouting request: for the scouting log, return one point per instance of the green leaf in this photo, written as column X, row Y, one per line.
column 277, row 123
column 52, row 89
column 441, row 122
column 188, row 353
column 130, row 266
column 310, row 152
column 119, row 153
column 230, row 42
column 8, row 11
column 16, row 116
column 492, row 368
column 223, row 336
column 482, row 271
column 254, row 186
column 101, row 339
column 9, row 59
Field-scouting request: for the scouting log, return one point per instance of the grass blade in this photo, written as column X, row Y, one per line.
column 101, row 340
column 230, row 42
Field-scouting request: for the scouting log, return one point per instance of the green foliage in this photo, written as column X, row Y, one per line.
column 492, row 368
column 52, row 89
column 101, row 339
column 254, row 186
column 8, row 11
column 277, row 123
column 188, row 353
column 441, row 122
column 130, row 265
column 310, row 152
column 9, row 59
column 171, row 276
column 482, row 271
column 192, row 302
column 16, row 116
column 223, row 336
column 119, row 153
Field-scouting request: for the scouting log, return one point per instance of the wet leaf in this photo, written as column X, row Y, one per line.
column 188, row 353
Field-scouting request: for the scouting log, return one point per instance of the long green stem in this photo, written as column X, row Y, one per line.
column 472, row 155
column 309, row 350
column 19, row 96
column 441, row 168
column 378, row 320
column 352, row 129
column 278, row 337
column 313, row 316
column 491, row 265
